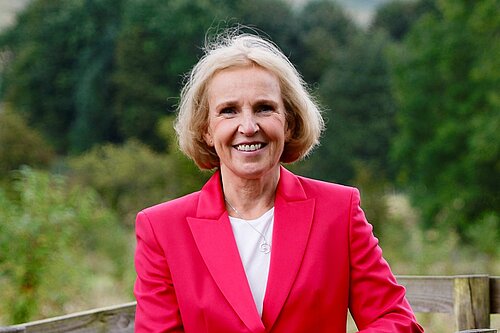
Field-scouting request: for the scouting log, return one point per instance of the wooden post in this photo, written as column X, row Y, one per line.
column 471, row 302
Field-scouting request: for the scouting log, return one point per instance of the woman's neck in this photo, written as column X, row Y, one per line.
column 251, row 198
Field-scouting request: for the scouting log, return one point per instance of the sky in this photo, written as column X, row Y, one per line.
column 361, row 10
column 8, row 8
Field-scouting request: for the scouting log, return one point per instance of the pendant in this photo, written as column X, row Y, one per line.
column 265, row 248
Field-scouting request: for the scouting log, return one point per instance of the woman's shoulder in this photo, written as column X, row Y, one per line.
column 321, row 186
column 330, row 194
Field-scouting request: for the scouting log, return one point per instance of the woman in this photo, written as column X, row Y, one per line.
column 259, row 249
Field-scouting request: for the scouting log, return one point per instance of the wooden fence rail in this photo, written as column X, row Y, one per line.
column 470, row 299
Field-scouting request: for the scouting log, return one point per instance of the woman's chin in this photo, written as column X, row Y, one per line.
column 252, row 171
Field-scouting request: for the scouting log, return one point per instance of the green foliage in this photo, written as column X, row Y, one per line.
column 185, row 177
column 446, row 80
column 49, row 235
column 87, row 72
column 482, row 234
column 130, row 177
column 159, row 42
column 396, row 17
column 416, row 251
column 360, row 114
column 373, row 189
column 273, row 18
column 20, row 145
column 57, row 72
column 93, row 92
column 323, row 30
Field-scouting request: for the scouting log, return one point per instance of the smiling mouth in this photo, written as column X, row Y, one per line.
column 252, row 147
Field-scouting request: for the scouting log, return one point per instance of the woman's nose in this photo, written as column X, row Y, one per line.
column 248, row 125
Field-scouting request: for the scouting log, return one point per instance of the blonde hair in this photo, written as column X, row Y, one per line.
column 303, row 115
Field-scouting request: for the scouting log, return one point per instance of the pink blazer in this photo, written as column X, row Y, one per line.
column 325, row 260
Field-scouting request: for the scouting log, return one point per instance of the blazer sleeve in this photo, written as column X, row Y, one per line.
column 376, row 301
column 157, row 309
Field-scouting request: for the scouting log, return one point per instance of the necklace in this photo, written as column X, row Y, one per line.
column 264, row 247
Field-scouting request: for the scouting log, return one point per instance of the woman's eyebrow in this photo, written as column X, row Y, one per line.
column 225, row 104
column 266, row 101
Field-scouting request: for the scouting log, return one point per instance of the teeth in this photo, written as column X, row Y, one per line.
column 249, row 147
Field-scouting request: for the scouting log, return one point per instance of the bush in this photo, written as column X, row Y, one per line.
column 128, row 177
column 51, row 236
column 21, row 145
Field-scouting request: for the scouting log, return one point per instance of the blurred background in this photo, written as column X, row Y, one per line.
column 88, row 90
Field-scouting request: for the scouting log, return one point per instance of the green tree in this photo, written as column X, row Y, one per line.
column 56, row 72
column 159, row 42
column 50, row 235
column 355, row 90
column 93, row 121
column 446, row 80
column 396, row 17
column 323, row 29
column 271, row 18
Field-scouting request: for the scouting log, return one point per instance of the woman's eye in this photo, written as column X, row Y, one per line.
column 227, row 111
column 265, row 108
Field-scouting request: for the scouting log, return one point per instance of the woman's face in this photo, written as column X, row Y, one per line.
column 246, row 122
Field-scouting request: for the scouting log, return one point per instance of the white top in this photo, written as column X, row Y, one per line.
column 255, row 262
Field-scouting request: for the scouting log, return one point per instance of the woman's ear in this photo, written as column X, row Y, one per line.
column 289, row 125
column 288, row 134
column 208, row 139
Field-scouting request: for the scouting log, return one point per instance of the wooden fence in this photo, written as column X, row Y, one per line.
column 470, row 299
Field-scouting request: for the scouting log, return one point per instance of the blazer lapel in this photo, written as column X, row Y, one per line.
column 214, row 238
column 293, row 215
